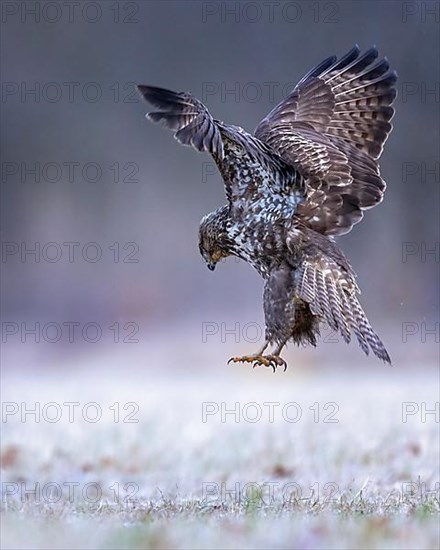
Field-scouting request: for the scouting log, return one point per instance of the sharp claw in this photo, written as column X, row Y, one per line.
column 273, row 361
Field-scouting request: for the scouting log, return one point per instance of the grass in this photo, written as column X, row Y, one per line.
column 177, row 479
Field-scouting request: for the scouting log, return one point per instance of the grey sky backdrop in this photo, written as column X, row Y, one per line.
column 83, row 122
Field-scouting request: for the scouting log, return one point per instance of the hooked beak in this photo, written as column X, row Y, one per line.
column 211, row 266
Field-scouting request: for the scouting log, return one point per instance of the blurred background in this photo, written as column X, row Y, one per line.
column 81, row 165
column 105, row 299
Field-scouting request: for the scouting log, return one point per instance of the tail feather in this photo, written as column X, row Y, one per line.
column 327, row 283
column 353, row 321
column 324, row 302
column 367, row 332
column 336, row 300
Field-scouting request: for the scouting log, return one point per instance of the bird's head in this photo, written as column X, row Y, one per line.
column 214, row 239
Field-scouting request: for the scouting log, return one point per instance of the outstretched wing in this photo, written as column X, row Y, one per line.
column 194, row 125
column 327, row 282
column 333, row 127
column 187, row 116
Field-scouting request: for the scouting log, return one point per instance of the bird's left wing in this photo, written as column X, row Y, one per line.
column 187, row 116
column 333, row 127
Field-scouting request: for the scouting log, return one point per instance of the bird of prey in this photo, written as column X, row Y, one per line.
column 305, row 176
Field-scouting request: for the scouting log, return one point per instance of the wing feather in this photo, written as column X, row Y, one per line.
column 332, row 128
column 187, row 116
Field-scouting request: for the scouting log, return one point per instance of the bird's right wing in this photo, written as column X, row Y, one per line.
column 187, row 116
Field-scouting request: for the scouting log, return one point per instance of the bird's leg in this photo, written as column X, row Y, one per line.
column 263, row 347
column 276, row 355
column 271, row 360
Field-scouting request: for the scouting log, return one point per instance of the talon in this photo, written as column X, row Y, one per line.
column 238, row 359
column 273, row 361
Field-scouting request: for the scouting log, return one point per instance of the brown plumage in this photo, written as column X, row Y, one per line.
column 307, row 174
column 333, row 126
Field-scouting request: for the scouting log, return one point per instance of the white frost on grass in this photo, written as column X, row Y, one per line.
column 363, row 479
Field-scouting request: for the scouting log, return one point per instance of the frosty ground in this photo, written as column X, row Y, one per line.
column 219, row 456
